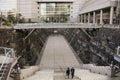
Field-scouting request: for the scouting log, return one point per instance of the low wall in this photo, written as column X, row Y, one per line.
column 104, row 70
column 25, row 73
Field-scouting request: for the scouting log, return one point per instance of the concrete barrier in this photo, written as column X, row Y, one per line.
column 87, row 66
column 104, row 70
column 25, row 73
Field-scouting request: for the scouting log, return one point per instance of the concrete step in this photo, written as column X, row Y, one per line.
column 2, row 78
column 4, row 64
column 4, row 67
column 42, row 75
column 87, row 75
column 80, row 74
column 62, row 76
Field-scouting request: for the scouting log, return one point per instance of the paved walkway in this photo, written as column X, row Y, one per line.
column 42, row 75
column 58, row 54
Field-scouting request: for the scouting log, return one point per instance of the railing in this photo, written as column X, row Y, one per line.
column 60, row 25
column 56, row 25
column 13, row 64
column 9, row 53
column 6, row 27
column 111, row 26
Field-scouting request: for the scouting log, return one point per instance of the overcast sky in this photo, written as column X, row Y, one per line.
column 7, row 4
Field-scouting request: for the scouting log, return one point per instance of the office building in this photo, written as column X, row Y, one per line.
column 100, row 11
column 84, row 11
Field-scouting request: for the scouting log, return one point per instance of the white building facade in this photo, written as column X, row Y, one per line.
column 98, row 11
column 44, row 10
column 28, row 9
column 87, row 11
column 50, row 10
column 75, row 9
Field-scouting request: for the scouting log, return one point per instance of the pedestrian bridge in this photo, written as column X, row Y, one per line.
column 55, row 25
column 59, row 25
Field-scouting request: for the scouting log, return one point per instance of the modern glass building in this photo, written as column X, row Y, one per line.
column 50, row 10
column 54, row 12
column 61, row 11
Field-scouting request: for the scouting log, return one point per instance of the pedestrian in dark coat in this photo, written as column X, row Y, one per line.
column 68, row 72
column 72, row 72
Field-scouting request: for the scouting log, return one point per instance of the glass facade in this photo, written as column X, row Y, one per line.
column 54, row 12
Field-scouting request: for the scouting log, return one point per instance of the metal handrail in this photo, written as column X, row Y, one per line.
column 61, row 25
column 4, row 60
column 13, row 64
column 8, row 55
column 5, row 66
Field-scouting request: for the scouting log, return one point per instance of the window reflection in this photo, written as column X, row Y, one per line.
column 54, row 12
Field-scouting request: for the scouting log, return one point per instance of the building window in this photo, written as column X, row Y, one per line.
column 54, row 12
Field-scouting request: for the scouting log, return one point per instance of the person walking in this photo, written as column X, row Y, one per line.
column 72, row 72
column 68, row 72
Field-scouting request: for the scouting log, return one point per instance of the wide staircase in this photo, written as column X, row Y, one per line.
column 7, row 62
column 57, row 56
column 80, row 74
column 4, row 71
column 50, row 75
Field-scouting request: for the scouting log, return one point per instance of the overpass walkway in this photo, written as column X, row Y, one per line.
column 59, row 25
column 55, row 25
column 57, row 56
